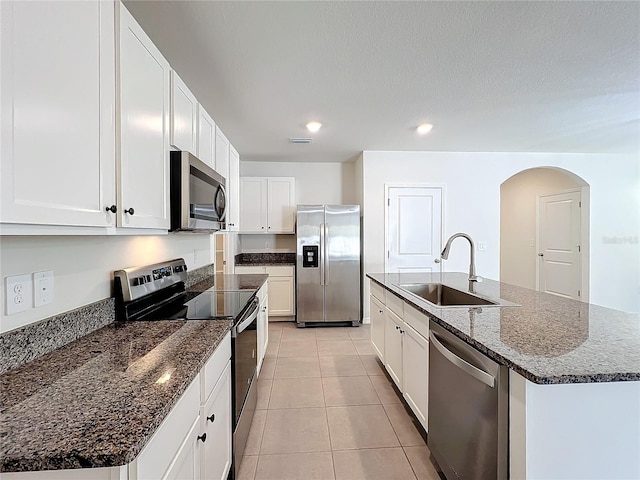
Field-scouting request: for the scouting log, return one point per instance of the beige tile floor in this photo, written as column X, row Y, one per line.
column 327, row 411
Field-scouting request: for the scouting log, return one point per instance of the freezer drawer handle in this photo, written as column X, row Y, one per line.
column 463, row 365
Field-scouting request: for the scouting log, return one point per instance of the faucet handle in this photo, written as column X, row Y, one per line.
column 476, row 278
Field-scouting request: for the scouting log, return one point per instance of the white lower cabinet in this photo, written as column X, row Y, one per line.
column 399, row 335
column 393, row 347
column 281, row 287
column 376, row 309
column 215, row 418
column 194, row 440
column 263, row 323
column 186, row 463
column 415, row 372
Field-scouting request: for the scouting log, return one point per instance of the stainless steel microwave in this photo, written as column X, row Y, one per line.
column 198, row 198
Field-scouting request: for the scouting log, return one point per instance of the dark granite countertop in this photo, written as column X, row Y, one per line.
column 547, row 339
column 230, row 282
column 275, row 258
column 95, row 402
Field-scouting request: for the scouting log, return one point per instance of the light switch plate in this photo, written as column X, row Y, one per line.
column 19, row 294
column 42, row 288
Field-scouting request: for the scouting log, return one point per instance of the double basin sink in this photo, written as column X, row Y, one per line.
column 443, row 296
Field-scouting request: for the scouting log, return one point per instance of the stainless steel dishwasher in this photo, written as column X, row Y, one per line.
column 468, row 409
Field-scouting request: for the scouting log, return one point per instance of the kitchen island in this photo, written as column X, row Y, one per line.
column 574, row 374
column 99, row 400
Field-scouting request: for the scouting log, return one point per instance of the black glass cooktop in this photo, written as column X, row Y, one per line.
column 209, row 304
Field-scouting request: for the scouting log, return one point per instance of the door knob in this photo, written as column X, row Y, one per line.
column 112, row 209
column 130, row 211
column 203, row 437
column 212, row 417
column 541, row 254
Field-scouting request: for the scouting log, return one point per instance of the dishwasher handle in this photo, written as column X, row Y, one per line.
column 463, row 365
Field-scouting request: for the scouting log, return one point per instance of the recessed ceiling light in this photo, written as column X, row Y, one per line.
column 424, row 128
column 314, row 126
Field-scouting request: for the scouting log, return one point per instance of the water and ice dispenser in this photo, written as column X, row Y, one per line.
column 310, row 256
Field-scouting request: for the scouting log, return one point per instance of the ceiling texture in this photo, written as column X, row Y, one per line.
column 522, row 76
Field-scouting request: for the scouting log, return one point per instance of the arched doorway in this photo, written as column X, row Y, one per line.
column 544, row 232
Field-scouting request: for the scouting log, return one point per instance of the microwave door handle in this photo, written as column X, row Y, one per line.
column 223, row 214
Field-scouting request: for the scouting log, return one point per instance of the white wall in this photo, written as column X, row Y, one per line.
column 83, row 265
column 472, row 205
column 518, row 207
column 316, row 183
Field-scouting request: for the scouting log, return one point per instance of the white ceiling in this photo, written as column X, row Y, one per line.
column 490, row 76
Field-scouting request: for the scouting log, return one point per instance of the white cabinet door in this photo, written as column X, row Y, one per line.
column 253, row 204
column 263, row 324
column 233, row 191
column 281, row 205
column 186, row 464
column 206, row 138
column 222, row 154
column 281, row 296
column 216, row 419
column 415, row 372
column 376, row 309
column 57, row 101
column 393, row 346
column 144, row 129
column 184, row 115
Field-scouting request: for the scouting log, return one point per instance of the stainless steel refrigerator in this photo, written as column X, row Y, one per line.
column 328, row 264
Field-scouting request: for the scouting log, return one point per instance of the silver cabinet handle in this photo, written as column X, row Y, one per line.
column 463, row 365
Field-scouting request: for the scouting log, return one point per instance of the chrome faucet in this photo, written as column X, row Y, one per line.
column 472, row 267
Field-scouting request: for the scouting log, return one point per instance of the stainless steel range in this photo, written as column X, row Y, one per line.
column 157, row 292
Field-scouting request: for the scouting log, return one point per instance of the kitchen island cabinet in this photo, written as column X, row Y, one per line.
column 574, row 374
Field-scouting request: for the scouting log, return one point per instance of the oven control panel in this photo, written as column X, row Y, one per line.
column 137, row 282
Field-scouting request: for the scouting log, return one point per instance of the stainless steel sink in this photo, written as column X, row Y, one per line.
column 444, row 296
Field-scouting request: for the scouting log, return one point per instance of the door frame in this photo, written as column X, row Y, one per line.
column 387, row 186
column 584, row 238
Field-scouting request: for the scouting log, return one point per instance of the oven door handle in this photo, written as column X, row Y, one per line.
column 249, row 320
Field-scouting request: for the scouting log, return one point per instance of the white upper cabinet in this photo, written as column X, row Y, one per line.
column 57, row 103
column 267, row 205
column 222, row 154
column 144, row 129
column 281, row 205
column 253, row 204
column 233, row 191
column 184, row 116
column 206, row 150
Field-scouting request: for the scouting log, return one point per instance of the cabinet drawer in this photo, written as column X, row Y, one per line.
column 157, row 455
column 395, row 304
column 250, row 269
column 418, row 320
column 214, row 367
column 377, row 291
column 284, row 271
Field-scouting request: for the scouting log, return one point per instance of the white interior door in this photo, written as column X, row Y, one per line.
column 559, row 259
column 414, row 229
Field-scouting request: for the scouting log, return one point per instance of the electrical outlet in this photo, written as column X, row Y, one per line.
column 42, row 288
column 267, row 244
column 19, row 294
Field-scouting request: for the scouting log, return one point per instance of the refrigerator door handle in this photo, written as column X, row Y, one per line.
column 321, row 253
column 326, row 254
